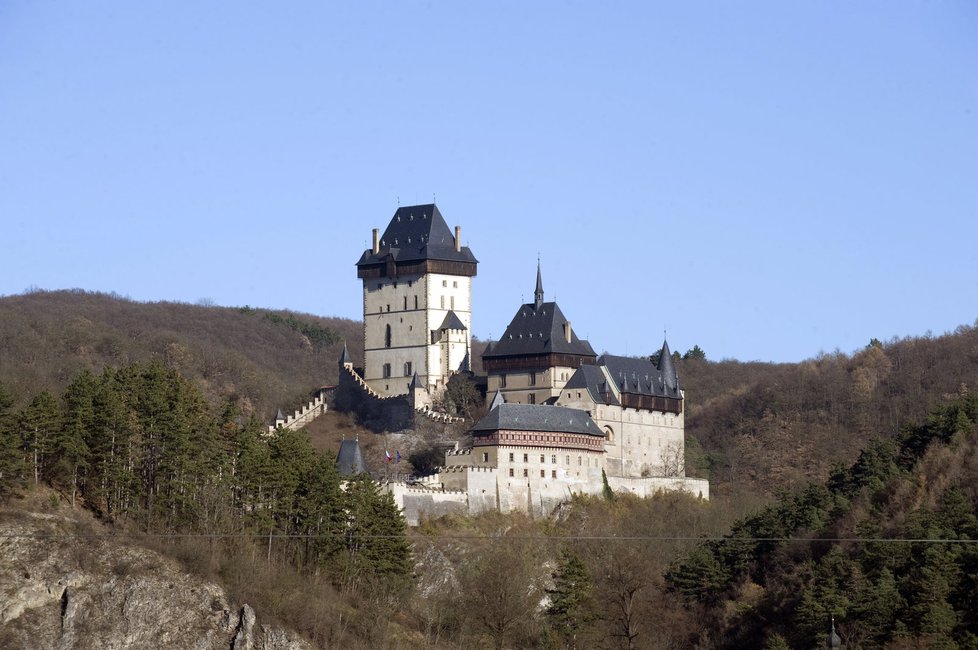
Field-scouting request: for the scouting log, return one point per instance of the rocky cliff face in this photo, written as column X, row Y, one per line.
column 66, row 583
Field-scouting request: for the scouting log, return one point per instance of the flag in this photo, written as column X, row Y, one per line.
column 387, row 455
column 398, row 452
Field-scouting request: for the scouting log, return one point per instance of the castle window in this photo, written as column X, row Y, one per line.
column 566, row 460
column 553, row 474
column 578, row 461
column 387, row 337
column 388, row 307
column 526, row 458
column 511, row 471
column 442, row 302
column 553, row 459
column 526, row 473
column 453, row 301
column 405, row 302
column 407, row 369
column 531, row 399
column 533, row 379
column 387, row 370
column 410, row 283
column 444, row 283
column 502, row 381
column 511, row 458
column 543, row 473
column 543, row 458
column 485, row 457
column 455, row 283
column 415, row 302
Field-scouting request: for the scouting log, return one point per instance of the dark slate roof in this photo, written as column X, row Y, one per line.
column 349, row 462
column 415, row 382
column 416, row 233
column 538, row 331
column 667, row 368
column 593, row 380
column 279, row 415
column 452, row 322
column 535, row 417
column 345, row 356
column 640, row 377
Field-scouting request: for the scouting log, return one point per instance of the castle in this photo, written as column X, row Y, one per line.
column 561, row 421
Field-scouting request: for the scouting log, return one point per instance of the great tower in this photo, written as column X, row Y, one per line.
column 417, row 302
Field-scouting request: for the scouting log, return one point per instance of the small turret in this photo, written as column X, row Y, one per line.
column 667, row 369
column 345, row 360
column 833, row 641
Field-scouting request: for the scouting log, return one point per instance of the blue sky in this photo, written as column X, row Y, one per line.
column 767, row 180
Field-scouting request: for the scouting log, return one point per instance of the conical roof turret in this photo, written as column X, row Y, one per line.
column 345, row 356
column 667, row 369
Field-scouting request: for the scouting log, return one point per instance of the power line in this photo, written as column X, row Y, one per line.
column 541, row 538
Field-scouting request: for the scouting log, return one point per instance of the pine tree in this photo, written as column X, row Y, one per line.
column 322, row 512
column 12, row 465
column 79, row 418
column 375, row 533
column 40, row 427
column 571, row 608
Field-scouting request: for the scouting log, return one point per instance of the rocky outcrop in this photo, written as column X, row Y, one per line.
column 66, row 584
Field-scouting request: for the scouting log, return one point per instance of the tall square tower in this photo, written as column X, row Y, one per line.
column 417, row 302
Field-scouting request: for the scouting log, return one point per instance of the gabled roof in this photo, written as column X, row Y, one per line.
column 416, row 233
column 535, row 417
column 349, row 461
column 641, row 377
column 637, row 376
column 452, row 322
column 592, row 379
column 538, row 331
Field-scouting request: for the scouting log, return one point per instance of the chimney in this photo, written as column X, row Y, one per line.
column 458, row 238
column 567, row 331
column 376, row 241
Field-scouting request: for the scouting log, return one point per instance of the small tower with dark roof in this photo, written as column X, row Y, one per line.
column 832, row 641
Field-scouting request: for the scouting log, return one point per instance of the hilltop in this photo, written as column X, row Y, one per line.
column 270, row 358
column 751, row 426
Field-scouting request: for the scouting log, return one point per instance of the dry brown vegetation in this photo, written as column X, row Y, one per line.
column 47, row 338
column 775, row 426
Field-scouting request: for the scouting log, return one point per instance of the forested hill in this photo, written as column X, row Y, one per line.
column 886, row 547
column 762, row 427
column 268, row 358
column 765, row 427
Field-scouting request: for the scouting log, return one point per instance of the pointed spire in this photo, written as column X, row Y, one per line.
column 538, row 294
column 345, row 356
column 280, row 417
column 833, row 640
column 667, row 368
column 415, row 382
